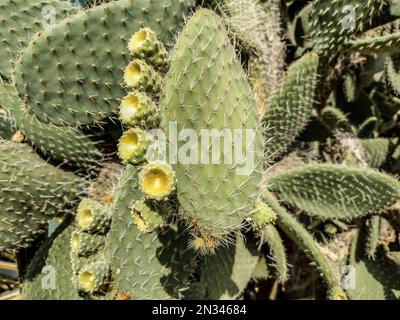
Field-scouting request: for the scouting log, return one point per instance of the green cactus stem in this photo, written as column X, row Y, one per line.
column 299, row 235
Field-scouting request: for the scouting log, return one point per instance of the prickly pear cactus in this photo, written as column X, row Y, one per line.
column 96, row 42
column 165, row 149
column 295, row 99
column 333, row 191
column 334, row 24
column 66, row 144
column 20, row 19
column 49, row 276
column 31, row 192
column 206, row 91
column 372, row 279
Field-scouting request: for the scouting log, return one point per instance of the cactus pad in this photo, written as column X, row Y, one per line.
column 31, row 193
column 206, row 89
column 83, row 86
column 335, row 191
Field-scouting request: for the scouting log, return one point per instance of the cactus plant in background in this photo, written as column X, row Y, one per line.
column 20, row 21
column 260, row 28
column 337, row 191
column 32, row 192
column 374, row 279
column 206, row 88
column 220, row 150
column 67, row 144
column 295, row 99
column 49, row 276
column 97, row 53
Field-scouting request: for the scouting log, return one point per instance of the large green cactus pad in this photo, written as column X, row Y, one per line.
column 206, row 89
column 66, row 144
column 144, row 265
column 291, row 107
column 337, row 191
column 19, row 20
column 334, row 23
column 72, row 74
column 31, row 193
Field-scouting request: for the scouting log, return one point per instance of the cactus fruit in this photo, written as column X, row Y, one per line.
column 94, row 87
column 132, row 146
column 93, row 216
column 145, row 45
column 83, row 244
column 93, row 277
column 141, row 76
column 263, row 215
column 137, row 109
column 157, row 180
column 206, row 88
column 337, row 191
column 32, row 192
column 145, row 218
column 90, row 268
